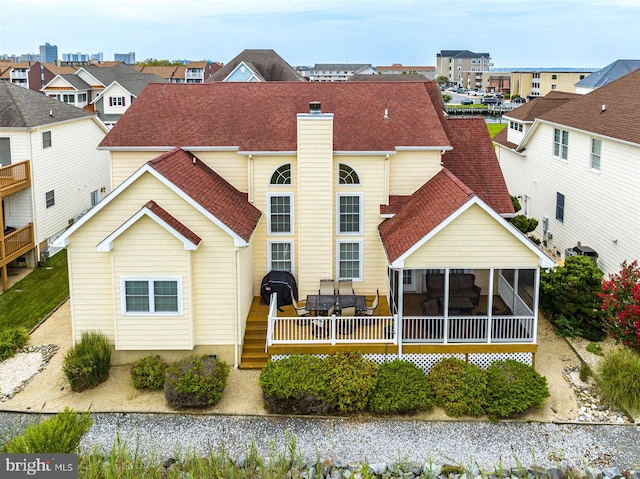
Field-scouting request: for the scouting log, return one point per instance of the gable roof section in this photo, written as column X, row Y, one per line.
column 24, row 108
column 611, row 72
column 263, row 116
column 619, row 120
column 210, row 190
column 473, row 161
column 265, row 63
column 129, row 78
column 73, row 80
column 540, row 106
column 427, row 208
column 152, row 210
column 199, row 186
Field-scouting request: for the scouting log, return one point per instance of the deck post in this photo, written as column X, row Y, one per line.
column 333, row 329
column 446, row 306
column 490, row 307
column 400, row 314
column 536, row 298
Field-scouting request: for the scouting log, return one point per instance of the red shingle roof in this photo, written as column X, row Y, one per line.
column 262, row 116
column 539, row 106
column 428, row 207
column 210, row 190
column 473, row 161
column 165, row 216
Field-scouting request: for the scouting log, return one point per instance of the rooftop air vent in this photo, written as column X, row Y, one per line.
column 314, row 107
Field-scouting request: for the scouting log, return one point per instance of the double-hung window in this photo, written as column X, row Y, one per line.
column 349, row 260
column 151, row 296
column 116, row 101
column 280, row 219
column 596, row 149
column 281, row 256
column 50, row 198
column 349, row 213
column 560, row 143
column 46, row 139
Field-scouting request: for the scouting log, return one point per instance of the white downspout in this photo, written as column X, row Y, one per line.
column 236, row 312
column 250, row 186
column 386, row 180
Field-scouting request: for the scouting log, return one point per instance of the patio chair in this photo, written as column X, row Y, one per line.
column 371, row 309
column 321, row 326
column 327, row 287
column 301, row 310
column 349, row 311
column 345, row 287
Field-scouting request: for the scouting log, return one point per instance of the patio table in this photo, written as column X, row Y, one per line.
column 322, row 302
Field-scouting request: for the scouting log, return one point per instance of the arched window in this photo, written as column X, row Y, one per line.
column 281, row 176
column 347, row 175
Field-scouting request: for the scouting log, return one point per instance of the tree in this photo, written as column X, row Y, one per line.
column 446, row 98
column 153, row 62
column 621, row 305
column 442, row 80
column 570, row 298
column 516, row 204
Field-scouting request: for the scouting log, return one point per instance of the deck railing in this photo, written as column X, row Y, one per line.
column 16, row 173
column 17, row 240
column 468, row 329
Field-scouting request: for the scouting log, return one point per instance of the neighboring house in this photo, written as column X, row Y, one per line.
column 462, row 67
column 387, row 77
column 428, row 72
column 611, row 72
column 536, row 82
column 194, row 72
column 50, row 172
column 257, row 66
column 361, row 181
column 572, row 159
column 336, row 72
column 34, row 75
column 108, row 91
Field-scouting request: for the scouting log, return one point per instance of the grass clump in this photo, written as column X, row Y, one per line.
column 195, row 382
column 148, row 372
column 87, row 364
column 59, row 434
column 295, row 385
column 618, row 379
column 11, row 340
column 513, row 388
column 459, row 388
column 402, row 388
column 595, row 348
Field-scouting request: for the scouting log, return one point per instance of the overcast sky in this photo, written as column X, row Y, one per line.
column 539, row 33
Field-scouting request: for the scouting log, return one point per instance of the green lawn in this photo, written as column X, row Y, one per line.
column 495, row 128
column 33, row 298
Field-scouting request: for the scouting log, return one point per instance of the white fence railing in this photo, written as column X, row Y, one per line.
column 468, row 329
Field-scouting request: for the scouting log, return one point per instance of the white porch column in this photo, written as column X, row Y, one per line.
column 446, row 306
column 490, row 307
column 400, row 311
column 536, row 296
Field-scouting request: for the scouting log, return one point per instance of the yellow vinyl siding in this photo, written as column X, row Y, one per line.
column 409, row 170
column 228, row 164
column 126, row 163
column 316, row 209
column 473, row 240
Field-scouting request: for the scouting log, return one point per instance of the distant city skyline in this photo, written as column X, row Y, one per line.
column 545, row 33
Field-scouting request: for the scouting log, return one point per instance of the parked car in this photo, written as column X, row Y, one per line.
column 466, row 101
column 519, row 101
column 491, row 100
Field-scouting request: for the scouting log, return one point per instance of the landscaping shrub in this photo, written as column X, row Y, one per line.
column 571, row 293
column 618, row 379
column 352, row 379
column 59, row 434
column 148, row 372
column 513, row 388
column 295, row 385
column 402, row 388
column 621, row 305
column 460, row 388
column 524, row 224
column 195, row 382
column 87, row 364
column 11, row 340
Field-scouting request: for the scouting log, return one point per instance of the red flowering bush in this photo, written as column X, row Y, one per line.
column 621, row 304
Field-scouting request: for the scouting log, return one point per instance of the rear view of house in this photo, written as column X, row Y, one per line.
column 217, row 185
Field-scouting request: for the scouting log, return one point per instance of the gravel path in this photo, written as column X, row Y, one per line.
column 486, row 445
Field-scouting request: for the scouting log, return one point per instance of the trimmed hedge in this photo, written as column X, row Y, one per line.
column 352, row 379
column 402, row 388
column 148, row 372
column 459, row 387
column 87, row 364
column 195, row 382
column 513, row 388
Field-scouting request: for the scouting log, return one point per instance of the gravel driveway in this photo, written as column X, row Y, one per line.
column 484, row 444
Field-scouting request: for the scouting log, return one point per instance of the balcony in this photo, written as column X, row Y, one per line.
column 15, row 242
column 14, row 177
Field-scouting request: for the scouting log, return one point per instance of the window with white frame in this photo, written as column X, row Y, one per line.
column 349, row 213
column 151, row 296
column 560, row 143
column 281, row 176
column 596, row 149
column 349, row 260
column 281, row 256
column 117, row 101
column 46, row 139
column 280, row 219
